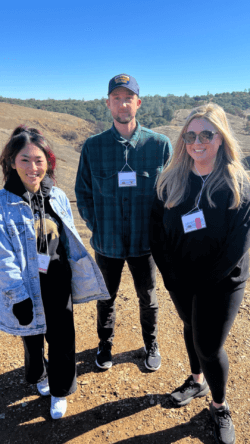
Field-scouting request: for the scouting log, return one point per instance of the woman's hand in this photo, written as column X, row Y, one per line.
column 24, row 311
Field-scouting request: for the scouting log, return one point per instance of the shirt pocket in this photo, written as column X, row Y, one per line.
column 105, row 182
column 146, row 182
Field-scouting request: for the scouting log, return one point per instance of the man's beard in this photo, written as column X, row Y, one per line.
column 123, row 120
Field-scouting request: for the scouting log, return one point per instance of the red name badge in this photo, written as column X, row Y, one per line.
column 198, row 223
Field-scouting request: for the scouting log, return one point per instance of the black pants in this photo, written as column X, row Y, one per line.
column 208, row 318
column 143, row 270
column 60, row 335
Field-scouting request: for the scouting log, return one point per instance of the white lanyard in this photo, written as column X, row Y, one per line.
column 127, row 178
column 203, row 183
column 194, row 220
column 126, row 164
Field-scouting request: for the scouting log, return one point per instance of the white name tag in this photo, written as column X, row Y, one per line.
column 43, row 262
column 193, row 222
column 127, row 179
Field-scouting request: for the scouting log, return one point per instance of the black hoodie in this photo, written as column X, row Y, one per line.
column 217, row 254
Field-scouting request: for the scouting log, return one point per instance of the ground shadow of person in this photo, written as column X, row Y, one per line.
column 77, row 426
column 14, row 388
column 190, row 429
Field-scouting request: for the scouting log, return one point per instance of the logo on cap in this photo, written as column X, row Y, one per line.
column 122, row 79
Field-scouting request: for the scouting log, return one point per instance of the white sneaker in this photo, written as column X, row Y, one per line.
column 43, row 387
column 58, row 407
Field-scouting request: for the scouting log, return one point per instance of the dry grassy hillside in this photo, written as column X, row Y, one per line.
column 55, row 126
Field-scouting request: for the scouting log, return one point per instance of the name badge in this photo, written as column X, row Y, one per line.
column 43, row 262
column 127, row 179
column 193, row 222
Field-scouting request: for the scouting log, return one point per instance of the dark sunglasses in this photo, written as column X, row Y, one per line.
column 204, row 136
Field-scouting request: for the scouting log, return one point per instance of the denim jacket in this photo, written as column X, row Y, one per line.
column 19, row 275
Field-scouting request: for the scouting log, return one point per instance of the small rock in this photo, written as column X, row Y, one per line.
column 151, row 402
column 24, row 404
column 2, row 416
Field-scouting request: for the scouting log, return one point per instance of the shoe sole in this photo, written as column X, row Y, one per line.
column 104, row 367
column 151, row 368
column 188, row 400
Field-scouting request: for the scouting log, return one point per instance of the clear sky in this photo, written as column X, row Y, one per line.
column 61, row 50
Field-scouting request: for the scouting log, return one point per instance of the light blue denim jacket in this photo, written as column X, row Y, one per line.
column 19, row 276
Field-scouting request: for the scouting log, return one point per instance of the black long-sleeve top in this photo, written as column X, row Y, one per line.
column 217, row 254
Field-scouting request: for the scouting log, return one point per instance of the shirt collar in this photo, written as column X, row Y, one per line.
column 134, row 139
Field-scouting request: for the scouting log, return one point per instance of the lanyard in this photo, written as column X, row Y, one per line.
column 203, row 183
column 44, row 221
column 126, row 154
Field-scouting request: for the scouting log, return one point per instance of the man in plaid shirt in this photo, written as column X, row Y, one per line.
column 115, row 188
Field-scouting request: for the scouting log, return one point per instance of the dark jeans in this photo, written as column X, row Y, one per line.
column 60, row 335
column 143, row 270
column 208, row 318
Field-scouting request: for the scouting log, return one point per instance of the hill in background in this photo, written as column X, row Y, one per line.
column 155, row 110
column 237, row 123
column 68, row 133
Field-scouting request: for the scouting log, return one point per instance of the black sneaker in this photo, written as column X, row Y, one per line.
column 104, row 357
column 189, row 390
column 223, row 424
column 153, row 357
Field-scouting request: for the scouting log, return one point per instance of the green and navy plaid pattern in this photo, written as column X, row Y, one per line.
column 119, row 217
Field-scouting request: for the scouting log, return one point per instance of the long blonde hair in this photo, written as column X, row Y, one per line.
column 228, row 169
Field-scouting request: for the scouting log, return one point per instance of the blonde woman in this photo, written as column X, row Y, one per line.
column 200, row 236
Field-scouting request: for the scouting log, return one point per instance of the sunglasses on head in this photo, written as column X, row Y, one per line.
column 204, row 136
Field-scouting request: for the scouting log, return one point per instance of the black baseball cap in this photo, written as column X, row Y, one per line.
column 125, row 81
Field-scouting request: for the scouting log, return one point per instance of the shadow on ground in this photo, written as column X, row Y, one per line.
column 16, row 428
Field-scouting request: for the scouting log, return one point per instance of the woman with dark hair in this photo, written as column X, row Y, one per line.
column 200, row 236
column 44, row 266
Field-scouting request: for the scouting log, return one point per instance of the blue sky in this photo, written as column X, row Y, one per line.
column 71, row 50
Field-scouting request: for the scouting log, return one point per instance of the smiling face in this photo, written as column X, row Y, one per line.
column 123, row 105
column 31, row 165
column 204, row 154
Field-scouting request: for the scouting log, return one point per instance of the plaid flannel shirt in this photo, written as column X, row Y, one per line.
column 119, row 216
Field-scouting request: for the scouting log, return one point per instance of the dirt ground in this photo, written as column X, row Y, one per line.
column 126, row 404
